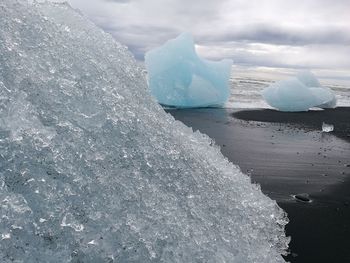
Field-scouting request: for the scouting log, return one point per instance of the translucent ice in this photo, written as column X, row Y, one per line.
column 178, row 77
column 324, row 96
column 327, row 127
column 93, row 170
column 299, row 94
column 289, row 95
column 308, row 79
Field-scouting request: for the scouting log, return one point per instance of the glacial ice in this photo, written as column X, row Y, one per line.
column 93, row 170
column 324, row 96
column 299, row 94
column 327, row 127
column 308, row 79
column 178, row 77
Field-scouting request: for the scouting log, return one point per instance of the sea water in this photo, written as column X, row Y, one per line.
column 247, row 83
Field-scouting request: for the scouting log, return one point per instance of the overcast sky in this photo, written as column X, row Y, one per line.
column 270, row 33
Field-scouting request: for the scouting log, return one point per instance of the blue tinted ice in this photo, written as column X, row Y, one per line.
column 299, row 94
column 289, row 95
column 178, row 77
column 325, row 96
column 93, row 170
column 308, row 79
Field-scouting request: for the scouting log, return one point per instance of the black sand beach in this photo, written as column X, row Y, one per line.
column 304, row 169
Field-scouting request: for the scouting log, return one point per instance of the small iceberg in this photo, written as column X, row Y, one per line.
column 299, row 94
column 178, row 77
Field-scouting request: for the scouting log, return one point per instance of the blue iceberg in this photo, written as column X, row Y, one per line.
column 299, row 94
column 324, row 96
column 178, row 77
column 308, row 79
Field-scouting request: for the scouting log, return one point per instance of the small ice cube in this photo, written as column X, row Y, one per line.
column 327, row 127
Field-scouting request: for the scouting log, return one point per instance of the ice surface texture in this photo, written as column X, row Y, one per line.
column 178, row 77
column 93, row 170
column 299, row 94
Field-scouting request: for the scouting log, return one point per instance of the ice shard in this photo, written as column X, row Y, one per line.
column 178, row 77
column 93, row 170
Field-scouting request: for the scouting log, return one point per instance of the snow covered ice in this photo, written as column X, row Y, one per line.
column 178, row 77
column 299, row 94
column 93, row 170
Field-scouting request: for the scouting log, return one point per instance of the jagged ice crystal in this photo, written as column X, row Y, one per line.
column 178, row 77
column 93, row 170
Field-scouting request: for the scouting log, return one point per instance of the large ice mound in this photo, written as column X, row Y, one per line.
column 299, row 94
column 178, row 77
column 93, row 170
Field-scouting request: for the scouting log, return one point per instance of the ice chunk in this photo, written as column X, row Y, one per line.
column 325, row 96
column 327, row 127
column 299, row 94
column 289, row 95
column 178, row 77
column 93, row 170
column 308, row 79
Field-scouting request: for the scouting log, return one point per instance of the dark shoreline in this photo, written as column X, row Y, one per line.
column 339, row 117
column 288, row 154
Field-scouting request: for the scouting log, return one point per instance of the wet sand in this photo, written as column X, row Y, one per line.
column 304, row 169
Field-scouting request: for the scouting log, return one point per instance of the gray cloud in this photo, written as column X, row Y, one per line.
column 257, row 32
column 118, row 1
column 281, row 36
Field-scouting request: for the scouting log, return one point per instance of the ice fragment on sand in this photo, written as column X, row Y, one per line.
column 299, row 94
column 178, row 77
column 75, row 111
column 327, row 127
column 324, row 96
